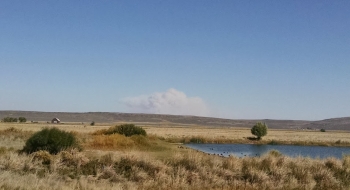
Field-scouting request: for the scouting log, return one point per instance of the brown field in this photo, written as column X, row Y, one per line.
column 240, row 135
column 137, row 162
column 209, row 134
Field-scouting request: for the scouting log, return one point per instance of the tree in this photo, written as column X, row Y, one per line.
column 22, row 119
column 259, row 130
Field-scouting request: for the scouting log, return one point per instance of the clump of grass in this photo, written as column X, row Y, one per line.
column 121, row 142
column 43, row 156
column 141, row 141
column 346, row 162
column 111, row 139
column 15, row 133
column 12, row 130
column 115, row 141
column 99, row 132
column 126, row 166
column 332, row 163
column 275, row 153
column 3, row 150
column 187, row 162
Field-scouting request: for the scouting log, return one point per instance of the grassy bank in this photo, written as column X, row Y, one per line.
column 211, row 140
column 138, row 162
column 185, row 170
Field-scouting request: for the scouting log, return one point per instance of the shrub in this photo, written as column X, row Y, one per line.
column 92, row 123
column 259, row 130
column 9, row 119
column 323, row 130
column 22, row 119
column 126, row 129
column 52, row 140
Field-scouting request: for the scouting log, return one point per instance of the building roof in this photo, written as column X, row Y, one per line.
column 56, row 119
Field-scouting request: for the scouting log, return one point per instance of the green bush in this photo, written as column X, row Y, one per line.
column 9, row 119
column 126, row 129
column 52, row 140
column 323, row 130
column 259, row 130
column 22, row 119
column 92, row 123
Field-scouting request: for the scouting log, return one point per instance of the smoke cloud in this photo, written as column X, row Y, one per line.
column 170, row 102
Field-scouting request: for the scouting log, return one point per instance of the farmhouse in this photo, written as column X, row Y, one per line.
column 55, row 120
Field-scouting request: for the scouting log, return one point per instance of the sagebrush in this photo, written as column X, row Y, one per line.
column 52, row 140
column 126, row 129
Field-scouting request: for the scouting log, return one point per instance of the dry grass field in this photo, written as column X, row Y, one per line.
column 240, row 135
column 151, row 162
column 208, row 134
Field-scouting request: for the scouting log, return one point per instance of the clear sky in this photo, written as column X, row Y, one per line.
column 231, row 59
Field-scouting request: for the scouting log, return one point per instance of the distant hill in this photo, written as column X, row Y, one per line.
column 154, row 119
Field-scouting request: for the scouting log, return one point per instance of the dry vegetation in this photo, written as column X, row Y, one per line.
column 242, row 135
column 138, row 162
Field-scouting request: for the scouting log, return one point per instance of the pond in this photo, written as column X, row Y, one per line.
column 251, row 150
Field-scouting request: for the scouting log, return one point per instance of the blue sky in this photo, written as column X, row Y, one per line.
column 231, row 59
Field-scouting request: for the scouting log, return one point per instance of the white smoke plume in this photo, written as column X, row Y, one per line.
column 170, row 102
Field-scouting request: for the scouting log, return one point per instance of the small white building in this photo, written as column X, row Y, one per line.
column 55, row 120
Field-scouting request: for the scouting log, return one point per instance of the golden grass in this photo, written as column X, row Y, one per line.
column 137, row 162
column 207, row 134
column 115, row 141
column 71, row 126
column 185, row 170
column 179, row 135
column 241, row 135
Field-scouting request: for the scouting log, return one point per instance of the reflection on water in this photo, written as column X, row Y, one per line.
column 241, row 150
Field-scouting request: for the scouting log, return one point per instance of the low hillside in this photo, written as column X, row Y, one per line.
column 174, row 120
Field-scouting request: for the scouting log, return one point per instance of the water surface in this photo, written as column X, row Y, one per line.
column 241, row 150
